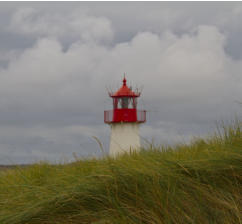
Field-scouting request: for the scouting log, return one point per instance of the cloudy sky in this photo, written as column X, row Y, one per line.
column 58, row 59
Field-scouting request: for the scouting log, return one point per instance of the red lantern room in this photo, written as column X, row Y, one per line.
column 124, row 107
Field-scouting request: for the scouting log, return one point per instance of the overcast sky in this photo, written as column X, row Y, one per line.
column 57, row 59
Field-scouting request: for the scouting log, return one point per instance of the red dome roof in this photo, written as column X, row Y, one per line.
column 125, row 91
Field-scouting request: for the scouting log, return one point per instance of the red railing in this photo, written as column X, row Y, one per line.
column 124, row 115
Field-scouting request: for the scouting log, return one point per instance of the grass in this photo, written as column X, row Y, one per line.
column 194, row 183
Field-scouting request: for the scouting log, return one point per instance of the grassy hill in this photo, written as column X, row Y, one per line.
column 197, row 183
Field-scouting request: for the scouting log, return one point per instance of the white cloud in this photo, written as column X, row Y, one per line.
column 187, row 78
column 168, row 65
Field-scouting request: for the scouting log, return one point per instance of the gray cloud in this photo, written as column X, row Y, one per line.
column 52, row 85
column 74, row 26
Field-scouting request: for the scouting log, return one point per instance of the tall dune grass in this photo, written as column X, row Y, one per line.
column 194, row 183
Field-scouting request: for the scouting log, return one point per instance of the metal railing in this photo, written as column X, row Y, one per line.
column 141, row 115
column 108, row 116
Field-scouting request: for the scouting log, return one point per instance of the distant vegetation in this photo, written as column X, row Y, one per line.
column 198, row 183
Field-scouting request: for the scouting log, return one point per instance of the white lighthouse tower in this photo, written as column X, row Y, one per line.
column 124, row 120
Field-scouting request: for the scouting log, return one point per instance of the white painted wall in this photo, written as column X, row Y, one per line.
column 124, row 137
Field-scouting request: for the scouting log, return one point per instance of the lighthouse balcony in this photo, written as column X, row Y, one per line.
column 124, row 115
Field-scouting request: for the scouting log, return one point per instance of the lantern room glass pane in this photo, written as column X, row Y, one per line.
column 115, row 103
column 124, row 102
column 134, row 102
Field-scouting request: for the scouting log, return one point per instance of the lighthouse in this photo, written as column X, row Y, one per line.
column 124, row 120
